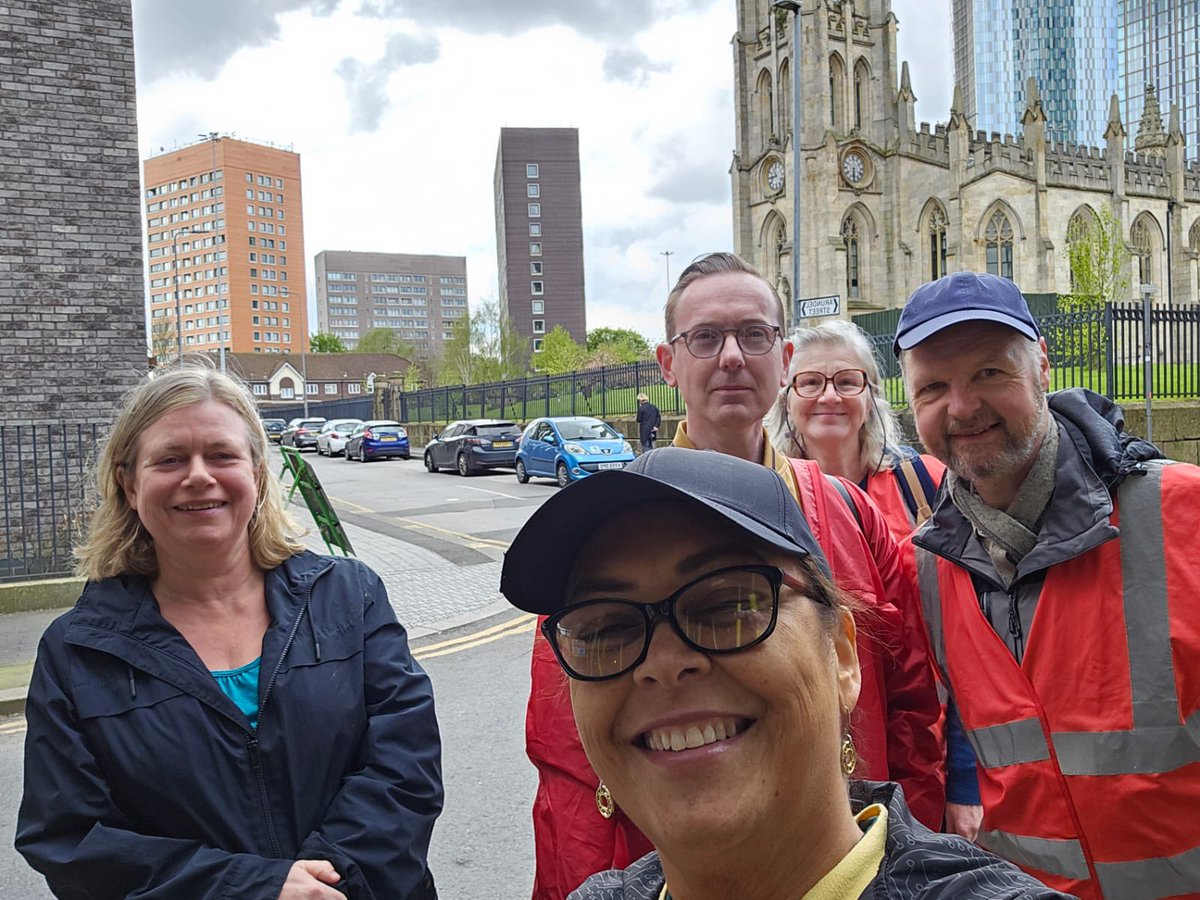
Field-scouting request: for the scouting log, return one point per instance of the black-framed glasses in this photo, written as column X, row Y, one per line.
column 725, row 611
column 847, row 382
column 706, row 341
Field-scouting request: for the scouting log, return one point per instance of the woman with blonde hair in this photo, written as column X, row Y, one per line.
column 222, row 713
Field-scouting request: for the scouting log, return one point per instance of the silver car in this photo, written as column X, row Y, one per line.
column 331, row 441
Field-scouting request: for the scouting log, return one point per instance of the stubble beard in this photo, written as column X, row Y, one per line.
column 1014, row 454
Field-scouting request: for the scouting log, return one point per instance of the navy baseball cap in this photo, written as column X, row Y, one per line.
column 962, row 297
column 751, row 497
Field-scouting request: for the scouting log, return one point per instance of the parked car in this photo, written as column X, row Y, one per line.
column 301, row 433
column 567, row 448
column 331, row 439
column 377, row 439
column 274, row 428
column 472, row 445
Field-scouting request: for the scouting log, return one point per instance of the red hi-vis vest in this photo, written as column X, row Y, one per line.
column 1089, row 749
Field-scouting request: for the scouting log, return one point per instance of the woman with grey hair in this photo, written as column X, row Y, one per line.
column 833, row 411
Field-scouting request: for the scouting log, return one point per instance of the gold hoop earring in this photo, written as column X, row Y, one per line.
column 849, row 756
column 605, row 804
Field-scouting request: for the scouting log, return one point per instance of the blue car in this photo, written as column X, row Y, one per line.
column 377, row 439
column 567, row 448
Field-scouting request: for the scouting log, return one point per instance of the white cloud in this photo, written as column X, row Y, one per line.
column 396, row 116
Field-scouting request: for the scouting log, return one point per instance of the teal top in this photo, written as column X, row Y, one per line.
column 241, row 686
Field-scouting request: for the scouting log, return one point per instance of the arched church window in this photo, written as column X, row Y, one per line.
column 937, row 243
column 785, row 100
column 1194, row 244
column 766, row 116
column 1139, row 238
column 861, row 98
column 1078, row 230
column 837, row 88
column 998, row 240
column 851, row 240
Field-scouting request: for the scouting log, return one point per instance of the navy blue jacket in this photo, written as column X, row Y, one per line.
column 142, row 779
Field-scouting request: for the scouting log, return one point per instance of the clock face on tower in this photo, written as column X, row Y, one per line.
column 775, row 176
column 854, row 168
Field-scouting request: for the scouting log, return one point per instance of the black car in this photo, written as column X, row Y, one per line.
column 472, row 445
column 274, row 428
column 301, row 433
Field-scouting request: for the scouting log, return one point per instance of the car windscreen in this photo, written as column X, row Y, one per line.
column 586, row 431
column 495, row 430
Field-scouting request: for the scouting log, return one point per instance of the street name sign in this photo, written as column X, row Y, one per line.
column 815, row 307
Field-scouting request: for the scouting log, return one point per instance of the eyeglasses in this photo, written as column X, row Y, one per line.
column 847, row 382
column 705, row 342
column 725, row 611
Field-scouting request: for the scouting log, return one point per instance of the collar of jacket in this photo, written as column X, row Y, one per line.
column 119, row 616
column 1077, row 517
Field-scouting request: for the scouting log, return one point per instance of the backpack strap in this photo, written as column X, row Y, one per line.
column 917, row 487
column 840, row 487
column 811, row 495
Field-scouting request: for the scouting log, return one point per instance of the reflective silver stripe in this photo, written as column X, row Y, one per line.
column 1147, row 615
column 1158, row 742
column 1151, row 878
column 1144, row 751
column 931, row 602
column 1021, row 741
column 1056, row 857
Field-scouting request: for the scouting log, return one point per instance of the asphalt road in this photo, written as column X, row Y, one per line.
column 482, row 845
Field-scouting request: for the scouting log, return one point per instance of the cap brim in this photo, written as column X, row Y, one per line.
column 918, row 333
column 541, row 557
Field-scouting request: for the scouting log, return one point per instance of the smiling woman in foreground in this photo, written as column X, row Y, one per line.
column 222, row 714
column 712, row 672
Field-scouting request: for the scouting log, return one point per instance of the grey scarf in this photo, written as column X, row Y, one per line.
column 1010, row 534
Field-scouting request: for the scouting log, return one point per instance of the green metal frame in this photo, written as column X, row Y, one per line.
column 305, row 480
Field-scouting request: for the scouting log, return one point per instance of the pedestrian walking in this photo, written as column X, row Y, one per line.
column 222, row 713
column 1060, row 584
column 648, row 419
column 718, row 719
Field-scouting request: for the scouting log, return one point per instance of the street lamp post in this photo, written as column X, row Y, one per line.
column 793, row 6
column 1148, row 292
column 668, row 254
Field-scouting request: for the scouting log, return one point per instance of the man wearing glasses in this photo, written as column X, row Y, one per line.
column 727, row 355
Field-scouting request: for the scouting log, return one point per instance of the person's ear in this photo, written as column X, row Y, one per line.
column 845, row 649
column 665, row 354
column 788, row 349
column 1044, row 365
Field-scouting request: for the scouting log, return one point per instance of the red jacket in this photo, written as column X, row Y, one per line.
column 893, row 724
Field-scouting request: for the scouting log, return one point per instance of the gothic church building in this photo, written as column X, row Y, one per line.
column 887, row 205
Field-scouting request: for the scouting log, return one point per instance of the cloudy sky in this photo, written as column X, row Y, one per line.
column 395, row 107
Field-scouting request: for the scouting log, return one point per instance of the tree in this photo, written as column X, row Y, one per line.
column 559, row 353
column 384, row 340
column 483, row 347
column 322, row 342
column 1099, row 261
column 162, row 340
column 614, row 346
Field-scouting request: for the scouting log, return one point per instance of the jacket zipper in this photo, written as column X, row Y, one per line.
column 1015, row 630
column 252, row 745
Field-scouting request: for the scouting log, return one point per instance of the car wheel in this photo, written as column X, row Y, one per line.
column 429, row 466
column 362, row 452
column 522, row 475
column 407, row 456
column 564, row 477
column 464, row 467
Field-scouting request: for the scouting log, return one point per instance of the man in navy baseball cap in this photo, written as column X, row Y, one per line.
column 962, row 297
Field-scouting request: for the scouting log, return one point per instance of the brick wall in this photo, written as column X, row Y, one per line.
column 71, row 296
column 72, row 333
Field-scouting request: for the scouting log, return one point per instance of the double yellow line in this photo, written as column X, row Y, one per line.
column 518, row 625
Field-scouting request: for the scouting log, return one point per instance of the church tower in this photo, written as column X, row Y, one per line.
column 852, row 112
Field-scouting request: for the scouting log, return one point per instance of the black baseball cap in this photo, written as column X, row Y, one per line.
column 962, row 297
column 751, row 497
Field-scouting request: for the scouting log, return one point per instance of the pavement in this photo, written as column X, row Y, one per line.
column 431, row 592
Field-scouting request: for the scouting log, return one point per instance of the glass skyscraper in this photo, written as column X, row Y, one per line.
column 1160, row 45
column 1069, row 46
